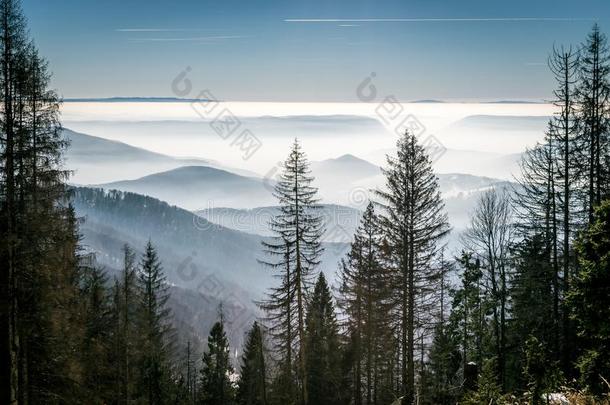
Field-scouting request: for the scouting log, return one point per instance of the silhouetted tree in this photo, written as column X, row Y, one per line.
column 252, row 385
column 216, row 387
column 295, row 251
column 414, row 223
column 323, row 351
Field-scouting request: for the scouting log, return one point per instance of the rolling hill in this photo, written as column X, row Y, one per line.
column 199, row 187
column 98, row 160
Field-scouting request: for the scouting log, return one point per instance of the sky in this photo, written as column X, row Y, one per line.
column 308, row 51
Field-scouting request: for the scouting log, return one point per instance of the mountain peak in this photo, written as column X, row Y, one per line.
column 348, row 157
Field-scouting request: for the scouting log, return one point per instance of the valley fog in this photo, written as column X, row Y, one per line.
column 488, row 131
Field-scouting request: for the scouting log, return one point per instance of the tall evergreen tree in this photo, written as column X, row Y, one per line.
column 98, row 375
column 589, row 300
column 252, row 386
column 364, row 297
column 533, row 301
column 444, row 355
column 414, row 223
column 564, row 64
column 40, row 276
column 126, row 304
column 155, row 328
column 593, row 95
column 295, row 252
column 469, row 309
column 216, row 387
column 323, row 354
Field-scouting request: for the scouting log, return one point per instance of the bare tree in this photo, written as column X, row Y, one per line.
column 489, row 236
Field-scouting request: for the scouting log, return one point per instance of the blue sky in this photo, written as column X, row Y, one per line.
column 248, row 50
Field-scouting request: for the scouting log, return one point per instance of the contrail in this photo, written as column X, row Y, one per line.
column 499, row 19
column 157, row 29
column 211, row 38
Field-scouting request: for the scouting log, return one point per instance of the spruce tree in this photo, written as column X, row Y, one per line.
column 414, row 224
column 97, row 342
column 126, row 305
column 444, row 355
column 564, row 64
column 155, row 328
column 364, row 298
column 40, row 277
column 322, row 340
column 294, row 252
column 468, row 313
column 533, row 300
column 589, row 300
column 252, row 386
column 216, row 387
column 594, row 116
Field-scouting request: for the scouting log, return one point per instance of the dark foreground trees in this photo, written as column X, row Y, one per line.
column 323, row 349
column 252, row 386
column 39, row 273
column 589, row 301
column 216, row 372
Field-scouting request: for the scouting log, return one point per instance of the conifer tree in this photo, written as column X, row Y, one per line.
column 565, row 139
column 295, row 252
column 323, row 354
column 364, row 297
column 40, row 276
column 97, row 342
column 444, row 355
column 469, row 309
column 589, row 300
column 126, row 304
column 594, row 116
column 155, row 328
column 414, row 223
column 252, row 386
column 532, row 297
column 216, row 387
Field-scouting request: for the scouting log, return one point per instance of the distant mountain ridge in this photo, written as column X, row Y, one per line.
column 100, row 160
column 200, row 187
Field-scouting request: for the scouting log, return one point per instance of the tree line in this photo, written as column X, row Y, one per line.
column 521, row 312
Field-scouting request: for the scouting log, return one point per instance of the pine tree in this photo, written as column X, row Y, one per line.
column 589, row 300
column 126, row 304
column 445, row 362
column 295, row 251
column 322, row 340
column 39, row 281
column 594, row 116
column 469, row 309
column 444, row 355
column 216, row 387
column 533, row 299
column 364, row 297
column 563, row 63
column 97, row 342
column 414, row 223
column 252, row 386
column 155, row 328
